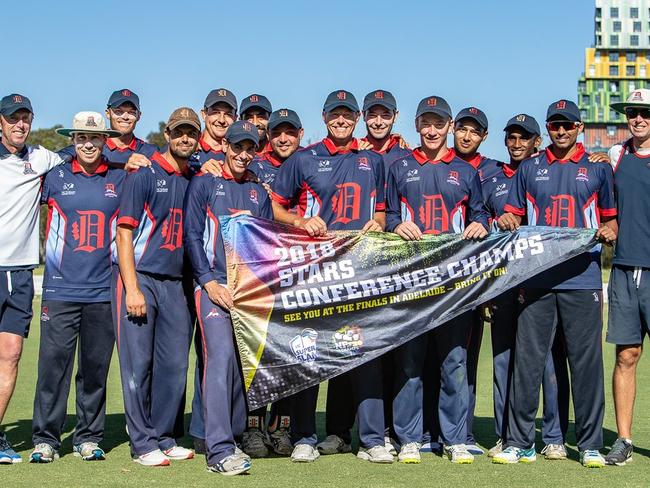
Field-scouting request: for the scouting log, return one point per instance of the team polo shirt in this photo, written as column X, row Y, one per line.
column 265, row 166
column 203, row 154
column 207, row 198
column 631, row 185
column 82, row 211
column 20, row 185
column 496, row 180
column 391, row 152
column 570, row 193
column 114, row 154
column 152, row 204
column 343, row 186
column 438, row 196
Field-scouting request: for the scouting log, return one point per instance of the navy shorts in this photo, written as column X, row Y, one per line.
column 629, row 305
column 16, row 295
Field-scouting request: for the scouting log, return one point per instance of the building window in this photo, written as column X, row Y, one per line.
column 597, row 98
column 631, row 86
column 613, row 86
column 584, row 114
column 634, row 40
column 599, row 40
column 614, row 98
column 600, row 84
column 630, row 70
column 611, row 130
column 634, row 13
column 582, row 86
column 636, row 26
column 613, row 71
column 592, row 70
column 613, row 57
column 613, row 40
column 599, row 12
column 642, row 71
column 613, row 114
column 617, row 26
column 613, row 12
column 630, row 57
column 585, row 99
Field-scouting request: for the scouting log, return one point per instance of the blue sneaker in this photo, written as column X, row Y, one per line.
column 591, row 458
column 514, row 455
column 7, row 453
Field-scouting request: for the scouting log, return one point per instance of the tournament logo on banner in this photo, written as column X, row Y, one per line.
column 308, row 309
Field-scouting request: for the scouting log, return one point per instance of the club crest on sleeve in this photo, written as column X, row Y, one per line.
column 27, row 168
column 453, row 178
column 582, row 175
column 109, row 190
column 252, row 195
column 364, row 164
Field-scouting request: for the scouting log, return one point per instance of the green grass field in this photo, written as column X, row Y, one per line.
column 340, row 470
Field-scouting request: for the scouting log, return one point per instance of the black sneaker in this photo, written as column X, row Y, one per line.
column 620, row 453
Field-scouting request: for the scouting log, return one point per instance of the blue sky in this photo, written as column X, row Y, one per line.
column 504, row 57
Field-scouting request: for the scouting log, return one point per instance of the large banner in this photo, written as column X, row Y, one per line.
column 308, row 309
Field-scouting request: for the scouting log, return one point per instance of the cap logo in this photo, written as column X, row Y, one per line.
column 561, row 105
column 247, row 127
column 91, row 122
column 341, row 95
column 432, row 102
column 521, row 118
column 221, row 93
column 379, row 95
column 126, row 93
column 284, row 113
column 254, row 98
column 473, row 111
column 636, row 97
column 18, row 99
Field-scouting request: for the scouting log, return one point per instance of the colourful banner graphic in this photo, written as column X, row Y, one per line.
column 308, row 309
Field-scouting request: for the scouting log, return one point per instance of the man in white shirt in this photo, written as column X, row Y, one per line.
column 21, row 169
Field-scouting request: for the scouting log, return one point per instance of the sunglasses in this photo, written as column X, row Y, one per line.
column 633, row 112
column 566, row 125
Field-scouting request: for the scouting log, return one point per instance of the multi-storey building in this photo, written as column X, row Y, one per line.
column 617, row 64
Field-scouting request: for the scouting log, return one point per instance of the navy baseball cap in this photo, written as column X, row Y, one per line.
column 14, row 102
column 242, row 131
column 526, row 122
column 380, row 97
column 340, row 98
column 434, row 105
column 284, row 116
column 563, row 109
column 221, row 95
column 255, row 101
column 475, row 114
column 120, row 97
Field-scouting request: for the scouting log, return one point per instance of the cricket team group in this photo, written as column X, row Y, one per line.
column 134, row 258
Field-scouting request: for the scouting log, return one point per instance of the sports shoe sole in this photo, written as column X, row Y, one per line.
column 555, row 457
column 181, row 458
column 39, row 459
column 463, row 461
column 163, row 463
column 365, row 457
column 96, row 456
column 594, row 465
column 496, row 460
column 234, row 472
column 8, row 460
column 410, row 461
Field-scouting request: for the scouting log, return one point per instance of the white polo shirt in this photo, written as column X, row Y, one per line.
column 20, row 192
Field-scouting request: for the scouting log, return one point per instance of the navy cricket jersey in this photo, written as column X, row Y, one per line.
column 152, row 204
column 203, row 154
column 343, row 186
column 114, row 154
column 496, row 180
column 570, row 193
column 265, row 166
column 82, row 209
column 206, row 199
column 631, row 184
column 439, row 196
column 392, row 152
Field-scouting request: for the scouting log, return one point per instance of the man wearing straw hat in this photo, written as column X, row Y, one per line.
column 82, row 199
column 629, row 285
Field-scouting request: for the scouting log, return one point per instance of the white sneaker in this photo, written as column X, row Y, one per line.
column 241, row 453
column 333, row 444
column 254, row 443
column 178, row 453
column 378, row 454
column 555, row 452
column 391, row 445
column 304, row 453
column 153, row 458
column 496, row 449
column 410, row 453
column 230, row 465
column 458, row 454
column 43, row 453
column 474, row 449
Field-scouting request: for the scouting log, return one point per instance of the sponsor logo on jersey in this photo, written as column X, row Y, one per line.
column 212, row 313
column 45, row 314
column 582, row 175
column 109, row 190
column 68, row 189
column 161, row 186
column 453, row 178
column 303, row 346
column 501, row 189
column 363, row 164
column 27, row 168
column 542, row 175
column 324, row 166
column 252, row 195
